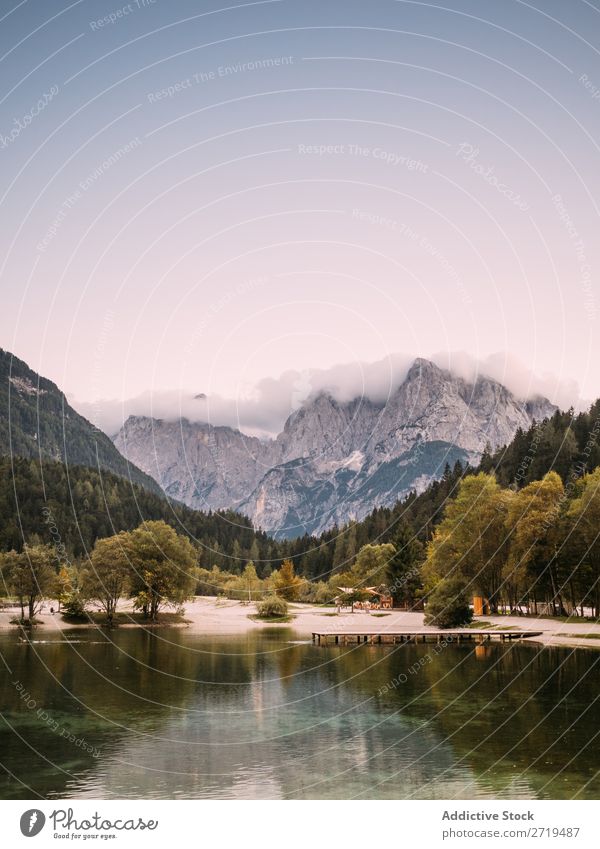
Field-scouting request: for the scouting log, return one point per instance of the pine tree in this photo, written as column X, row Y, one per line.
column 404, row 568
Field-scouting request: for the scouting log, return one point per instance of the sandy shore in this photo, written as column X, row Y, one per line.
column 217, row 616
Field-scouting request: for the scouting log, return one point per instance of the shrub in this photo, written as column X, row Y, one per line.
column 25, row 623
column 316, row 593
column 272, row 607
column 73, row 605
column 448, row 604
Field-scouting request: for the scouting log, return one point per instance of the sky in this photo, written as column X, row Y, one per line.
column 230, row 200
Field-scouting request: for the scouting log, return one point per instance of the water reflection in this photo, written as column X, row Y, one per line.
column 170, row 714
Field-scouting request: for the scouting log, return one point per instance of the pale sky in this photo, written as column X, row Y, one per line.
column 208, row 198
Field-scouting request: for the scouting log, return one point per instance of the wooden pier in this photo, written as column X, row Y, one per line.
column 325, row 638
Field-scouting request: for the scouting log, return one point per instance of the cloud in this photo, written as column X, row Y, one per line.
column 263, row 409
column 518, row 378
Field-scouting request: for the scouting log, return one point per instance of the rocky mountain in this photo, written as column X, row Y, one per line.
column 36, row 421
column 333, row 461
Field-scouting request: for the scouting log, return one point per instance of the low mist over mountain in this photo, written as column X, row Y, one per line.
column 334, row 460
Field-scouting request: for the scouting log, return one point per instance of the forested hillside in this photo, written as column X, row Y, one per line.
column 37, row 421
column 82, row 505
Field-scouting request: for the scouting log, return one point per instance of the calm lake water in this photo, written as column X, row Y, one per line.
column 173, row 715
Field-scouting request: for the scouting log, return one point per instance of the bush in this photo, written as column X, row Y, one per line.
column 272, row 607
column 448, row 604
column 25, row 623
column 211, row 581
column 73, row 605
column 316, row 593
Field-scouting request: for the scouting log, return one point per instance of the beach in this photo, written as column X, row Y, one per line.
column 217, row 616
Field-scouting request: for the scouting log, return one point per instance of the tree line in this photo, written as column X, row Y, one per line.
column 75, row 506
column 529, row 550
column 156, row 567
column 153, row 565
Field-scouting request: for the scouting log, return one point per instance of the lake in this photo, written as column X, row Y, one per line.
column 170, row 714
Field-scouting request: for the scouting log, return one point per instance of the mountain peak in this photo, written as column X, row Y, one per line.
column 333, row 459
column 422, row 366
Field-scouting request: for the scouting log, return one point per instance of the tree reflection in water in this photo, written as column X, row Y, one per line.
column 168, row 714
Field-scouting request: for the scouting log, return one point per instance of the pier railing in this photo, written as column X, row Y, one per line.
column 343, row 638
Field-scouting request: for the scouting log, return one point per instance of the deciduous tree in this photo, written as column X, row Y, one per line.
column 163, row 564
column 584, row 518
column 30, row 575
column 448, row 604
column 470, row 541
column 531, row 521
column 108, row 577
column 372, row 562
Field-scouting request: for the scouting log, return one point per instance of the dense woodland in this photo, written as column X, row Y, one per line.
column 36, row 421
column 520, row 549
column 39, row 502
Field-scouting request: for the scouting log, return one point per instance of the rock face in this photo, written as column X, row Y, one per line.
column 333, row 461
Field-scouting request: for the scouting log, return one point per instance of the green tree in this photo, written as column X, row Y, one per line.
column 339, row 551
column 236, row 556
column 470, row 540
column 30, row 576
column 64, row 584
column 372, row 563
column 69, row 590
column 351, row 542
column 163, row 567
column 584, row 518
column 531, row 522
column 404, row 567
column 109, row 575
column 9, row 562
column 448, row 604
column 211, row 581
column 251, row 582
column 74, row 603
column 556, row 448
column 254, row 552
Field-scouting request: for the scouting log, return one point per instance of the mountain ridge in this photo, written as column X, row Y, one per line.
column 38, row 422
column 333, row 461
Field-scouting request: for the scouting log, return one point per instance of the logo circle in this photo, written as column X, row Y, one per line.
column 32, row 822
